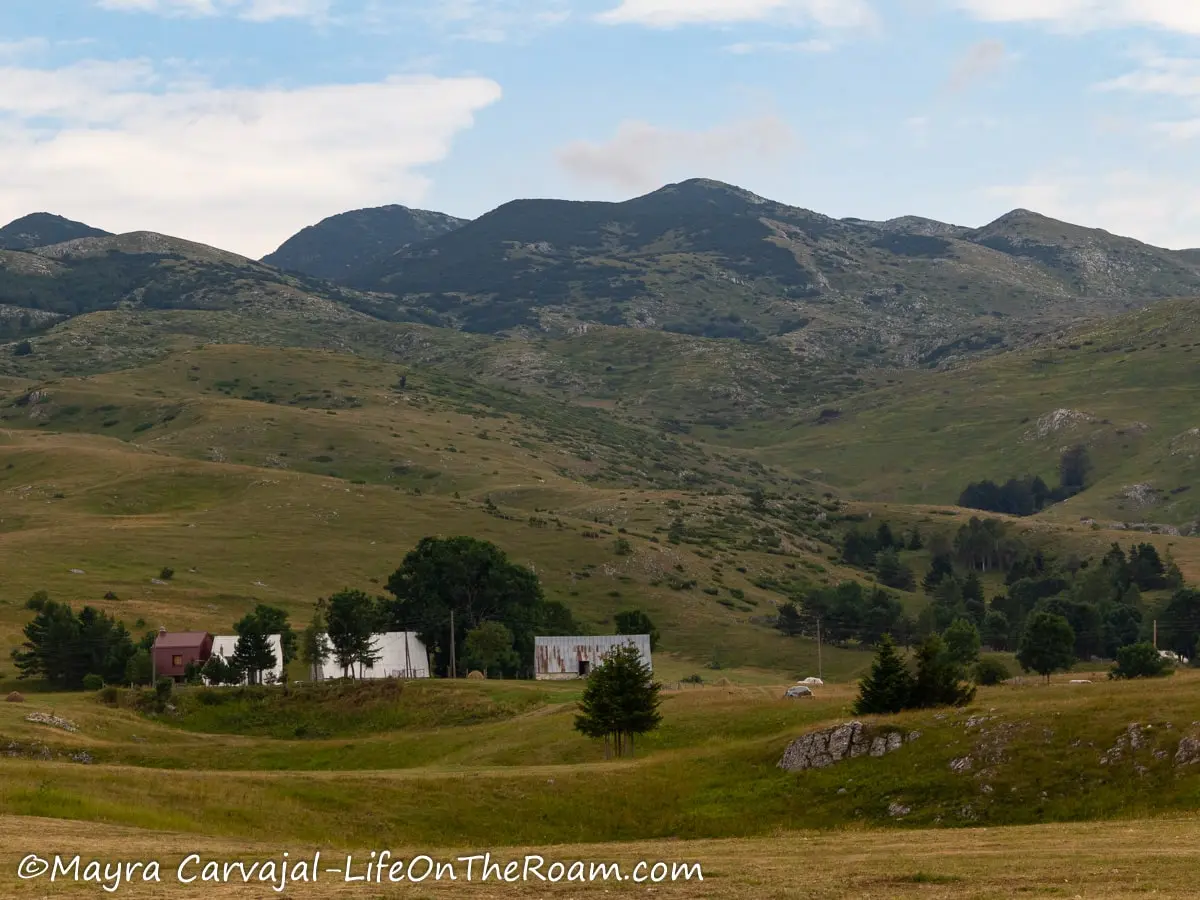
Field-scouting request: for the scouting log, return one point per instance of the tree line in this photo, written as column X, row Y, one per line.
column 1029, row 494
column 497, row 608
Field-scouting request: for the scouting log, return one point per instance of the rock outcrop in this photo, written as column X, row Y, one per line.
column 819, row 749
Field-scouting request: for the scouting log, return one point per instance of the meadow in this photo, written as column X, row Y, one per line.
column 472, row 766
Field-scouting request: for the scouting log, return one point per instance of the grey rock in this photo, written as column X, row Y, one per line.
column 897, row 810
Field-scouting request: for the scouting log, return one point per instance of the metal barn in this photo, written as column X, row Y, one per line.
column 561, row 658
column 401, row 655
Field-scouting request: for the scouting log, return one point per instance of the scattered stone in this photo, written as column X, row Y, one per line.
column 78, row 572
column 82, row 757
column 976, row 720
column 897, row 810
column 158, row 581
column 913, row 735
column 986, row 789
column 41, row 718
column 841, row 790
column 962, row 764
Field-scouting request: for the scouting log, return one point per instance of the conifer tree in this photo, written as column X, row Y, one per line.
column 620, row 701
column 888, row 687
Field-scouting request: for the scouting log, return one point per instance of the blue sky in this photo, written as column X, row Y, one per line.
column 236, row 122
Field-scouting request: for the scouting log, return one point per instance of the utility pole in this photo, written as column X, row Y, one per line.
column 820, row 669
column 407, row 664
column 453, row 663
column 1156, row 634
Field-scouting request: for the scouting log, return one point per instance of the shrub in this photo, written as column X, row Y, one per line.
column 162, row 690
column 167, row 573
column 1139, row 661
column 92, row 682
column 991, row 672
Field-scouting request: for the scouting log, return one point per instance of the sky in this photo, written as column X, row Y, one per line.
column 237, row 122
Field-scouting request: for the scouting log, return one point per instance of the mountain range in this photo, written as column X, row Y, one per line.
column 699, row 258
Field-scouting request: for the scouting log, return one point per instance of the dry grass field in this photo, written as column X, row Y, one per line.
column 1105, row 861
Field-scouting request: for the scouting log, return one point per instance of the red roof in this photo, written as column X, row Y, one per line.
column 180, row 640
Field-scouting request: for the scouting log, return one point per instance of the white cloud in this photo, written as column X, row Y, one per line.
column 980, row 60
column 252, row 10
column 670, row 13
column 641, row 156
column 493, row 21
column 1169, row 76
column 1161, row 209
column 117, row 144
column 1170, row 15
column 754, row 47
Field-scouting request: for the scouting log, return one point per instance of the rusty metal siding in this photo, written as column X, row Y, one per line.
column 558, row 658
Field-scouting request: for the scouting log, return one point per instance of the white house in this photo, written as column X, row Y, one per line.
column 401, row 655
column 226, row 644
column 561, row 658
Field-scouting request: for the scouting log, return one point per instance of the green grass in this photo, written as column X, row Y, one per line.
column 710, row 772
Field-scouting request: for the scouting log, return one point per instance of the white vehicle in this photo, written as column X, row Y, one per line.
column 811, row 680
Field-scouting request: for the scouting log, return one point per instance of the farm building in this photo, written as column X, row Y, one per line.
column 557, row 658
column 401, row 655
column 226, row 644
column 175, row 650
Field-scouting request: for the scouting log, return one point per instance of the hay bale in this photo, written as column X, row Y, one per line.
column 476, row 674
column 14, row 697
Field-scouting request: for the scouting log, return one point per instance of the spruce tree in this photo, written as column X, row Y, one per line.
column 888, row 687
column 620, row 701
column 939, row 680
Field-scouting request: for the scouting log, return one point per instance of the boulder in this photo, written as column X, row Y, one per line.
column 819, row 749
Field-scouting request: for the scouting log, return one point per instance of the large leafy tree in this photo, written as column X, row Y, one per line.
column 1179, row 622
column 476, row 581
column 621, row 700
column 489, row 648
column 634, row 621
column 1047, row 645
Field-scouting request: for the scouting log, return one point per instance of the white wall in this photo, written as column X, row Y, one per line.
column 225, row 645
column 390, row 647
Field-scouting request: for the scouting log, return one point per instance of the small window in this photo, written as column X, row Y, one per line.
column 584, row 665
column 177, row 660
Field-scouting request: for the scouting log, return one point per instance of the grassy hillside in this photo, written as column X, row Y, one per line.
column 1036, row 754
column 1126, row 390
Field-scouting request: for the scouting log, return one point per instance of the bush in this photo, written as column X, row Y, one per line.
column 162, row 690
column 991, row 672
column 37, row 601
column 693, row 679
column 110, row 695
column 1139, row 661
column 166, row 574
column 92, row 682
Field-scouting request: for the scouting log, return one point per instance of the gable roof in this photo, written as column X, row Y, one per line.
column 180, row 640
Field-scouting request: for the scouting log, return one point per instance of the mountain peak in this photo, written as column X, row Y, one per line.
column 41, row 229
column 347, row 242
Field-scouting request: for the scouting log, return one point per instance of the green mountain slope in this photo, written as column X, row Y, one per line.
column 340, row 247
column 1126, row 389
column 710, row 259
column 40, row 229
